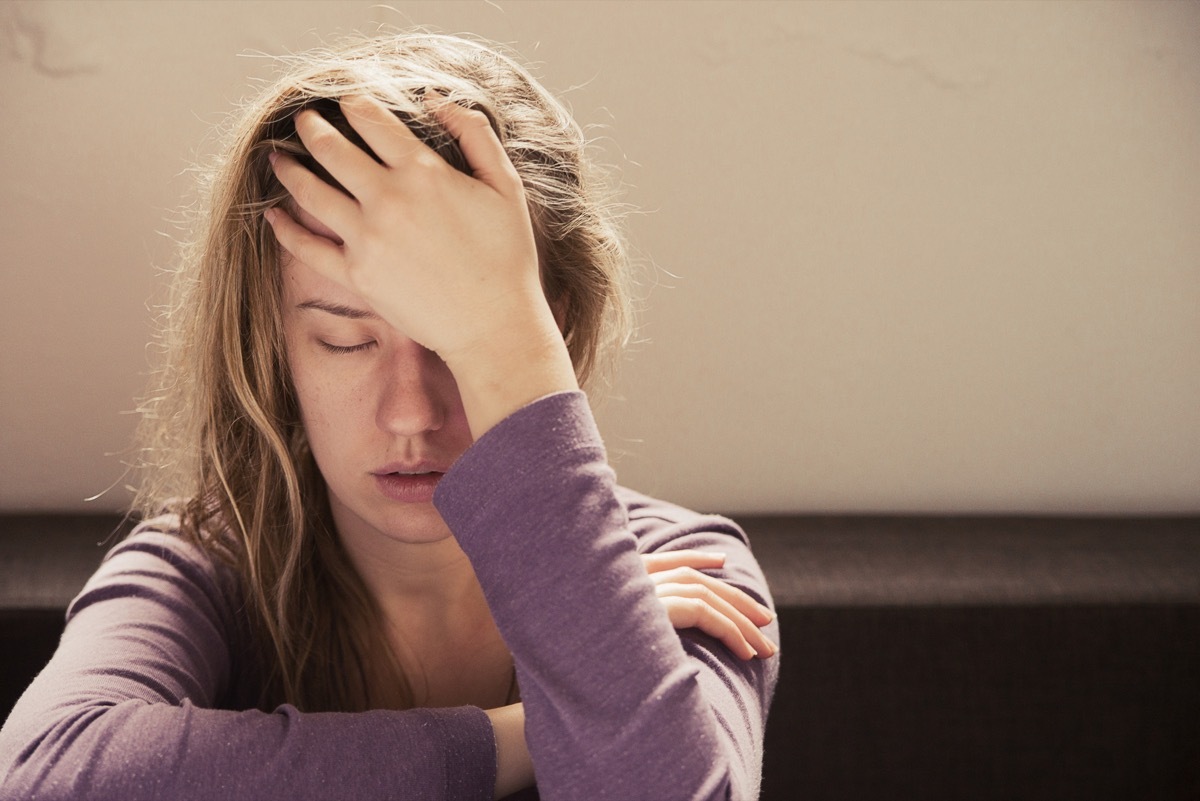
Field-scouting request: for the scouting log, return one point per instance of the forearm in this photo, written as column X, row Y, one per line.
column 129, row 707
column 613, row 703
column 133, row 750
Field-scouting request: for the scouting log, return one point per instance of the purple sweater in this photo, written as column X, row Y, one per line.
column 142, row 698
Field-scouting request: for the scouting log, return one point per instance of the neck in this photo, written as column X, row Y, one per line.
column 414, row 580
column 435, row 618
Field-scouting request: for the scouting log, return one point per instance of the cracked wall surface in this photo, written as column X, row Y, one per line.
column 895, row 256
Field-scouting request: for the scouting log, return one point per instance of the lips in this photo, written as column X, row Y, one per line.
column 408, row 483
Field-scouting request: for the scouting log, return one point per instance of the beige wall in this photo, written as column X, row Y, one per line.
column 934, row 256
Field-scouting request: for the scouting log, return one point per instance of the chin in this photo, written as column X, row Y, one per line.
column 415, row 523
column 402, row 522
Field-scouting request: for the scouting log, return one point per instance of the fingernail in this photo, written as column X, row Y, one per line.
column 270, row 214
column 272, row 157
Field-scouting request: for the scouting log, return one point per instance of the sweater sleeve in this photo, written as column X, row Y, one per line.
column 128, row 708
column 618, row 704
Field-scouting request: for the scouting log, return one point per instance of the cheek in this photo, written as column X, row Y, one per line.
column 324, row 402
column 329, row 418
column 311, row 401
column 303, row 384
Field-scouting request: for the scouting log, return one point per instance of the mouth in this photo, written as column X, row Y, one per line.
column 408, row 486
column 415, row 467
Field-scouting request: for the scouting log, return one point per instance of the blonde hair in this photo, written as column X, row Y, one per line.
column 221, row 425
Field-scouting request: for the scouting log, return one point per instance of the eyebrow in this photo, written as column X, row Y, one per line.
column 338, row 309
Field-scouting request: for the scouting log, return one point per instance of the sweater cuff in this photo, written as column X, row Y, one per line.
column 551, row 429
column 464, row 730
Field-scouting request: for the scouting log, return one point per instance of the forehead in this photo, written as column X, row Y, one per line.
column 302, row 283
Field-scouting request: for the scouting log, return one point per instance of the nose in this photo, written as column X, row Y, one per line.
column 417, row 391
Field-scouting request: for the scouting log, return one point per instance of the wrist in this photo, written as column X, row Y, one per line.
column 514, row 768
column 513, row 368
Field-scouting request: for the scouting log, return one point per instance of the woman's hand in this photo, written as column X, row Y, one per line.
column 697, row 600
column 447, row 259
column 437, row 253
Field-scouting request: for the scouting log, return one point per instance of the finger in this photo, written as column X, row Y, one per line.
column 348, row 163
column 691, row 613
column 711, row 598
column 489, row 162
column 669, row 560
column 316, row 251
column 331, row 206
column 746, row 604
column 390, row 139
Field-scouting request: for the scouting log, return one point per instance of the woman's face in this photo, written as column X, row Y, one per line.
column 382, row 414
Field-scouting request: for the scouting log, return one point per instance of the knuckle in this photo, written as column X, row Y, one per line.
column 322, row 142
column 427, row 162
column 303, row 191
column 683, row 574
column 474, row 118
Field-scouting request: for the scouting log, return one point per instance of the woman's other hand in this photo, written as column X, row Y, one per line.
column 697, row 600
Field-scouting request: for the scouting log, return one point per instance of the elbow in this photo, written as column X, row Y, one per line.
column 24, row 770
column 729, row 781
column 48, row 761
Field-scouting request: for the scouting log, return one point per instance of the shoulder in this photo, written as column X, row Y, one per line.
column 164, row 611
column 157, row 561
column 662, row 525
column 162, row 537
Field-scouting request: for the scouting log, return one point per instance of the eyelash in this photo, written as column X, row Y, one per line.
column 345, row 349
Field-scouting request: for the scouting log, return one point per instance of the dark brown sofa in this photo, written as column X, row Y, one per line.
column 923, row 657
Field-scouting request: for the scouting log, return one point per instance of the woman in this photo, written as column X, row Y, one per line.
column 401, row 566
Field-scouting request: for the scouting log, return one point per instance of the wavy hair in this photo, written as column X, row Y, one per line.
column 220, row 425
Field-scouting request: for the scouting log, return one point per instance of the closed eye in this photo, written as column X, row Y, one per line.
column 345, row 348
